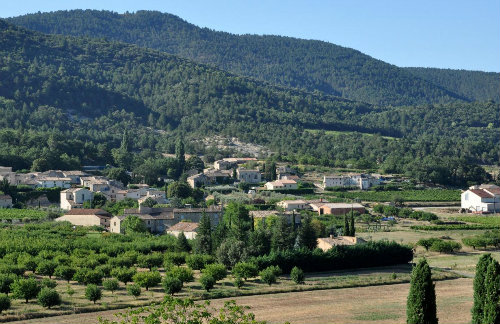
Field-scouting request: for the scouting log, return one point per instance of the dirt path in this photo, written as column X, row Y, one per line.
column 377, row 305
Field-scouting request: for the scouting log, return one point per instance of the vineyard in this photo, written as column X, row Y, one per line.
column 31, row 214
column 405, row 195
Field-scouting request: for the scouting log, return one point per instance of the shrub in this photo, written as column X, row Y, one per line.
column 445, row 246
column 111, row 285
column 124, row 275
column 134, row 290
column 46, row 267
column 25, row 289
column 245, row 270
column 171, row 285
column 216, row 270
column 64, row 272
column 238, row 282
column 177, row 258
column 48, row 297
column 147, row 279
column 4, row 302
column 427, row 243
column 207, row 281
column 6, row 281
column 199, row 261
column 93, row 293
column 267, row 275
column 181, row 273
column 297, row 275
column 46, row 282
column 150, row 261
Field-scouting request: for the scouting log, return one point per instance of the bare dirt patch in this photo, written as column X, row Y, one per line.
column 376, row 304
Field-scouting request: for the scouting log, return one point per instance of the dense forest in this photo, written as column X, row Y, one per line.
column 65, row 101
column 306, row 64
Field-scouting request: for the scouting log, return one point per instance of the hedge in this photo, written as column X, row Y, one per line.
column 371, row 254
column 453, row 227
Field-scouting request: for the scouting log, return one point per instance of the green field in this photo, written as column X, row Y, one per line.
column 31, row 214
column 485, row 220
column 406, row 195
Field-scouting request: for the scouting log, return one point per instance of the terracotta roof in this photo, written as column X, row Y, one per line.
column 342, row 205
column 82, row 211
column 184, row 227
column 263, row 213
column 494, row 191
column 481, row 193
column 293, row 202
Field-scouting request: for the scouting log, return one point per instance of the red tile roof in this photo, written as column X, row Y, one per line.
column 82, row 211
column 184, row 227
column 481, row 193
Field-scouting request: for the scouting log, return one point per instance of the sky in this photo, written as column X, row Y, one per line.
column 456, row 34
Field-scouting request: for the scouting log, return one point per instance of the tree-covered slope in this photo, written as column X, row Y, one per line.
column 475, row 85
column 308, row 64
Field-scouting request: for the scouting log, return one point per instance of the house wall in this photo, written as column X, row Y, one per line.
column 80, row 220
column 189, row 235
column 339, row 211
column 5, row 203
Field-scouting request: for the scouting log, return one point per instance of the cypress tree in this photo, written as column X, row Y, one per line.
column 204, row 235
column 347, row 231
column 180, row 157
column 480, row 288
column 307, row 235
column 351, row 227
column 421, row 304
column 492, row 284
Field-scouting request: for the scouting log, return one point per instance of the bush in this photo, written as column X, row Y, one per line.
column 245, row 270
column 134, row 290
column 48, row 297
column 177, row 258
column 150, row 261
column 238, row 282
column 46, row 267
column 267, row 275
column 147, row 279
column 199, row 261
column 93, row 293
column 297, row 275
column 25, row 289
column 427, row 243
column 6, row 281
column 216, row 270
column 207, row 281
column 64, row 272
column 172, row 285
column 4, row 302
column 181, row 273
column 445, row 246
column 46, row 282
column 111, row 285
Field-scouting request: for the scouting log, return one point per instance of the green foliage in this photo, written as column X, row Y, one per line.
column 453, row 227
column 480, row 288
column 268, row 275
column 46, row 267
column 111, row 284
column 177, row 258
column 48, row 297
column 181, row 273
column 31, row 214
column 421, row 304
column 133, row 224
column 6, row 280
column 150, row 261
column 207, row 281
column 406, row 195
column 488, row 238
column 239, row 282
column 245, row 270
column 49, row 283
column 179, row 189
column 124, row 275
column 93, row 293
column 491, row 312
column 307, row 234
column 199, row 261
column 203, row 242
column 231, row 251
column 171, row 285
column 216, row 270
column 4, row 302
column 427, row 243
column 25, row 288
column 442, row 246
column 134, row 290
column 182, row 243
column 147, row 279
column 297, row 275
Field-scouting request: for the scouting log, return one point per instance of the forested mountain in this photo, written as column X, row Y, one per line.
column 475, row 85
column 307, row 64
column 67, row 100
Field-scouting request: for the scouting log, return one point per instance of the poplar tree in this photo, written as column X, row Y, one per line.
column 421, row 303
column 492, row 284
column 346, row 226
column 352, row 229
column 480, row 288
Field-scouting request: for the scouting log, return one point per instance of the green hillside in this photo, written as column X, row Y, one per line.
column 307, row 64
column 66, row 101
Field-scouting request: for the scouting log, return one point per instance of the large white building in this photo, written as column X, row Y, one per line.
column 75, row 197
column 360, row 180
column 481, row 199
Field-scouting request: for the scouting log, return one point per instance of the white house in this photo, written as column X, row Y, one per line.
column 134, row 194
column 289, row 205
column 281, row 184
column 189, row 229
column 54, row 182
column 360, row 180
column 74, row 176
column 250, row 176
column 86, row 217
column 197, row 180
column 75, row 197
column 481, row 199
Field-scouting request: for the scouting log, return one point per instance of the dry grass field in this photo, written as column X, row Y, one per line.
column 375, row 304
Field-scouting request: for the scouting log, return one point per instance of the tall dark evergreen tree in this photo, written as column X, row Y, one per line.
column 180, row 157
column 307, row 235
column 282, row 237
column 347, row 231
column 480, row 288
column 421, row 304
column 352, row 229
column 492, row 284
column 204, row 235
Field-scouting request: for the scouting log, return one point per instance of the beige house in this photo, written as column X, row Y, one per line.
column 86, row 217
column 250, row 176
column 326, row 243
column 198, row 180
column 289, row 205
column 189, row 230
column 54, row 182
column 74, row 176
column 5, row 201
column 340, row 208
column 281, row 184
column 75, row 197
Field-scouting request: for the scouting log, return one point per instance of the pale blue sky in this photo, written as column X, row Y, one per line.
column 458, row 34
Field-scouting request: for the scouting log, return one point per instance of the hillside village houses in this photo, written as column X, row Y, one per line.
column 86, row 217
column 189, row 229
column 281, row 184
column 361, row 180
column 5, row 201
column 75, row 197
column 481, row 199
column 247, row 175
